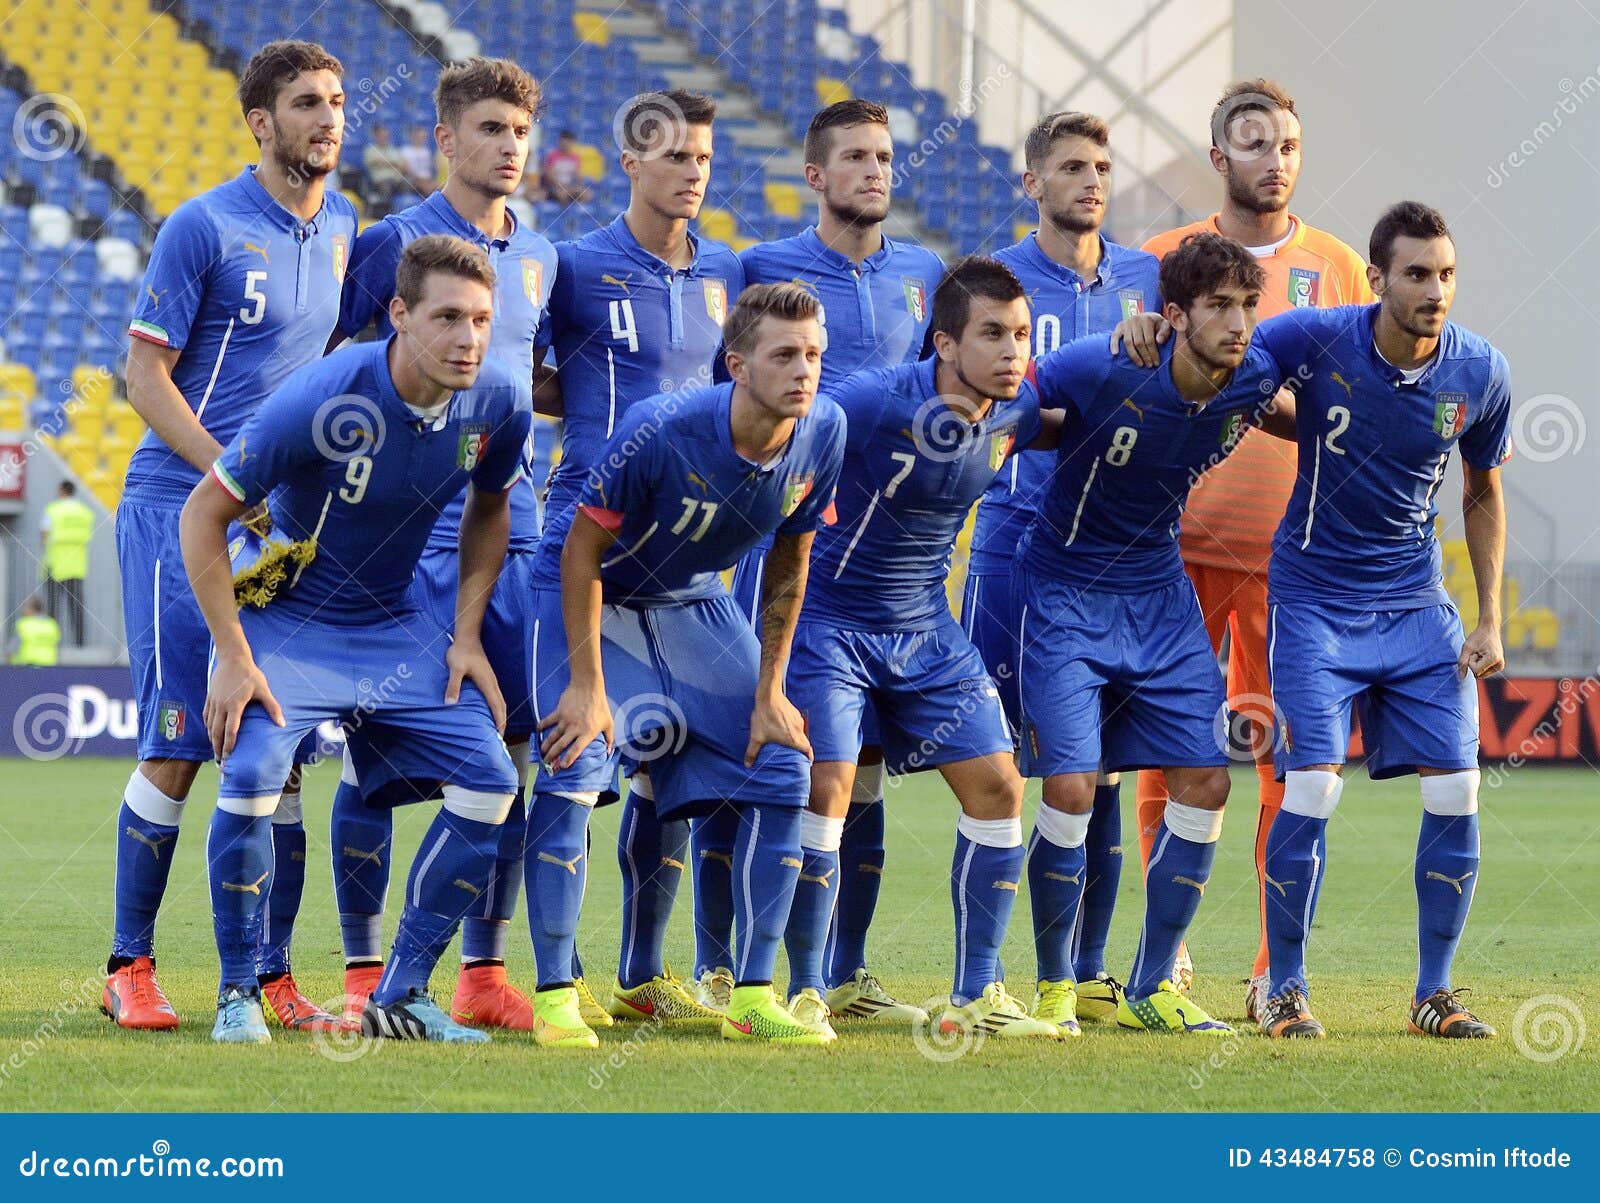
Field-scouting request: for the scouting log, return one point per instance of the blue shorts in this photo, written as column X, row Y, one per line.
column 168, row 644
column 1116, row 681
column 1398, row 668
column 989, row 617
column 934, row 700
column 747, row 582
column 386, row 681
column 681, row 681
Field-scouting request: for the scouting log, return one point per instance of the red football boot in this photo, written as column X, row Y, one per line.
column 133, row 998
column 484, row 999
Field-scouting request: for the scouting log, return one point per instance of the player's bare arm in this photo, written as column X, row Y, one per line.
column 1141, row 335
column 582, row 713
column 1483, row 511
column 783, row 587
column 235, row 679
column 485, row 534
column 1278, row 418
column 157, row 400
column 1050, row 423
column 547, row 399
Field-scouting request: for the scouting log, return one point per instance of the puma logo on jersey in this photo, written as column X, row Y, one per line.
column 253, row 888
column 1344, row 384
column 1278, row 885
column 1127, row 403
column 571, row 866
column 360, row 854
column 260, row 250
column 467, row 886
column 1076, row 879
column 1454, row 881
column 698, row 481
column 139, row 837
column 820, row 879
column 155, row 297
column 608, row 278
column 1189, row 881
column 724, row 858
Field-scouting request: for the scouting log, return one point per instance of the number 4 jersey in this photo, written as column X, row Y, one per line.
column 246, row 293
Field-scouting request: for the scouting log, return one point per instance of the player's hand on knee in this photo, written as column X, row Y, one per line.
column 470, row 663
column 1141, row 335
column 776, row 721
column 235, row 683
column 580, row 716
column 1482, row 654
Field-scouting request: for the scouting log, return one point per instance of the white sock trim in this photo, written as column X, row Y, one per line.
column 1060, row 828
column 258, row 807
column 639, row 784
column 290, row 809
column 869, row 785
column 1193, row 824
column 347, row 768
column 477, row 805
column 149, row 803
column 1451, row 794
column 992, row 833
column 522, row 758
column 1313, row 793
column 583, row 797
column 820, row 833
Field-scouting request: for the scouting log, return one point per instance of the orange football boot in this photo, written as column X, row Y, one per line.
column 133, row 998
column 484, row 999
column 297, row 1013
column 359, row 983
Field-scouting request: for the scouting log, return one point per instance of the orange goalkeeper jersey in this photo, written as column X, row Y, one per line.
column 1234, row 510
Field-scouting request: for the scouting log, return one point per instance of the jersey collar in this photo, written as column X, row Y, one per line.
column 273, row 210
column 1109, row 252
column 1386, row 371
column 652, row 263
column 390, row 396
column 725, row 434
column 820, row 252
column 1296, row 237
column 926, row 374
column 438, row 204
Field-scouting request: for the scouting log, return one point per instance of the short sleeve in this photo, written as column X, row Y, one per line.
column 1069, row 377
column 500, row 466
column 1028, row 422
column 181, row 261
column 815, row 509
column 1486, row 442
column 627, row 470
column 558, row 310
column 369, row 280
column 274, row 445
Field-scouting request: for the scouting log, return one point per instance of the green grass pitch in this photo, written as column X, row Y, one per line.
column 1530, row 949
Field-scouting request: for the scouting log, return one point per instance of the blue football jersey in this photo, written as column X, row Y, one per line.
column 1064, row 308
column 344, row 462
column 1131, row 450
column 525, row 269
column 1358, row 532
column 912, row 470
column 873, row 315
column 247, row 293
column 685, row 505
column 625, row 326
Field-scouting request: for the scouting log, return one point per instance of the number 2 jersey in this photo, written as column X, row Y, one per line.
column 247, row 293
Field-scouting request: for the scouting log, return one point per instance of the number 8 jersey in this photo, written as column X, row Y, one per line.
column 246, row 293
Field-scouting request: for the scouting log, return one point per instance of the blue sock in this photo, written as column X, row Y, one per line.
column 766, row 860
column 711, row 841
column 283, row 903
column 1103, row 860
column 983, row 888
column 860, row 876
column 144, row 859
column 651, row 855
column 588, row 846
column 1296, row 854
column 1174, row 882
column 361, row 837
column 1055, row 886
column 1446, row 875
column 239, row 854
column 810, row 915
column 556, row 866
column 484, row 931
column 449, row 876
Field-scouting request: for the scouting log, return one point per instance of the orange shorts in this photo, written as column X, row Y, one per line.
column 1236, row 602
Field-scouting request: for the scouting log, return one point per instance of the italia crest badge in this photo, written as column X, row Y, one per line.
column 533, row 280
column 1304, row 286
column 170, row 718
column 916, row 297
column 474, row 442
column 1000, row 447
column 716, row 301
column 796, row 491
column 1449, row 414
column 341, row 245
column 1132, row 300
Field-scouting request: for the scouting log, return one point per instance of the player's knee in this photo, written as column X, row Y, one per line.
column 1313, row 793
column 995, row 797
column 481, row 806
column 1071, row 793
column 1451, row 794
column 1207, row 790
column 174, row 778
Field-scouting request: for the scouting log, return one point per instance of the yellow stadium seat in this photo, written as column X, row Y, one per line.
column 831, row 91
column 11, row 415
column 17, row 383
column 592, row 28
column 1021, row 230
column 717, row 223
column 591, row 163
column 784, row 199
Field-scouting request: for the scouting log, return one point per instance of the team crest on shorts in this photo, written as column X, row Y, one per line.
column 916, row 297
column 474, row 441
column 170, row 718
column 1000, row 447
column 340, row 246
column 716, row 301
column 1449, row 414
column 1304, row 285
column 796, row 491
column 1132, row 300
column 532, row 280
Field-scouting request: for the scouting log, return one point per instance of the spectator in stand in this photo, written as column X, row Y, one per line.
column 421, row 170
column 36, row 639
column 386, row 171
column 563, row 178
